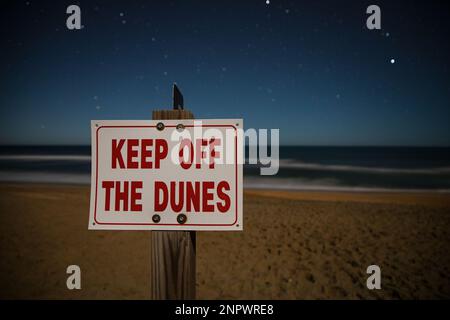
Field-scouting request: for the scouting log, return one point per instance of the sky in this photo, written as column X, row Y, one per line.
column 309, row 68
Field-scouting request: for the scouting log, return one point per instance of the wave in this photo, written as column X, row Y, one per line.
column 283, row 163
column 300, row 184
column 294, row 164
column 50, row 157
column 45, row 177
column 255, row 182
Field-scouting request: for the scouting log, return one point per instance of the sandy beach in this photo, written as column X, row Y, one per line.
column 295, row 245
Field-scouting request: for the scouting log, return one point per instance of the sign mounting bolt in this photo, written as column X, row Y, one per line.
column 160, row 126
column 181, row 218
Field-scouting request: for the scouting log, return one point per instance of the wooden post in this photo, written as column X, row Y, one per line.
column 172, row 252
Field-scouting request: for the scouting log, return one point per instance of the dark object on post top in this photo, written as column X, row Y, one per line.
column 177, row 98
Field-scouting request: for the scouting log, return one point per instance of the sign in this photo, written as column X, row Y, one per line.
column 166, row 175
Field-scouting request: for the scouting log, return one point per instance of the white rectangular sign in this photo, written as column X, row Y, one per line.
column 166, row 175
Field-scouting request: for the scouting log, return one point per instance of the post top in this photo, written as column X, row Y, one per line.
column 177, row 98
column 171, row 114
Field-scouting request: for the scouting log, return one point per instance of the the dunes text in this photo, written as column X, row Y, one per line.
column 188, row 196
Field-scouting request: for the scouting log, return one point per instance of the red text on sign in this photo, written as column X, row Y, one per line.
column 138, row 153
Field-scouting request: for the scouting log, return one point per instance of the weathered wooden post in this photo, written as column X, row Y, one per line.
column 173, row 252
column 131, row 190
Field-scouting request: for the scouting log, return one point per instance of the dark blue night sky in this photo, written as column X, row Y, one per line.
column 310, row 68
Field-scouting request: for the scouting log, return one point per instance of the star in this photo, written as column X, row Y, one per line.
column 392, row 61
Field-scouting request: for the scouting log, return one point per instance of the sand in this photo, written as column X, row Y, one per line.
column 43, row 229
column 295, row 245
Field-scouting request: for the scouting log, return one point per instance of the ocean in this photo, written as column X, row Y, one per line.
column 301, row 168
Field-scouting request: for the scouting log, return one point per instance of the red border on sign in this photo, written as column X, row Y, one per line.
column 166, row 224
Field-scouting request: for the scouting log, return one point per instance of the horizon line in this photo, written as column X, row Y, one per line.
column 281, row 145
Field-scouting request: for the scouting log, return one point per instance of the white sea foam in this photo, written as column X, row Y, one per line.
column 302, row 184
column 45, row 177
column 294, row 164
column 284, row 163
column 254, row 182
column 50, row 157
